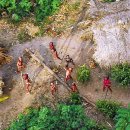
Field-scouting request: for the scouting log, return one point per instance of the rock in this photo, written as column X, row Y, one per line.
column 111, row 33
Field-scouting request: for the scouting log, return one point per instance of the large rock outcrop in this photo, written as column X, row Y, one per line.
column 111, row 32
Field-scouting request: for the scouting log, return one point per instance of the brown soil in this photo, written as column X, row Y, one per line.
column 19, row 100
column 80, row 50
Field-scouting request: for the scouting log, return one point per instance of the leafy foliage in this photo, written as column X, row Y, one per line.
column 18, row 9
column 121, row 74
column 75, row 99
column 71, row 117
column 123, row 119
column 109, row 108
column 83, row 74
column 23, row 36
column 109, row 0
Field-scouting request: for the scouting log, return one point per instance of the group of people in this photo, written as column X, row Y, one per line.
column 20, row 67
column 68, row 69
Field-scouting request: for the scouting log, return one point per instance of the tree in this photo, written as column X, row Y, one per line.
column 69, row 117
column 123, row 119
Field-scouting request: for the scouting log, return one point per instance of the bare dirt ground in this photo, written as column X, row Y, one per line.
column 80, row 51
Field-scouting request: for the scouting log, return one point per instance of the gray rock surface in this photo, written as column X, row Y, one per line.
column 112, row 33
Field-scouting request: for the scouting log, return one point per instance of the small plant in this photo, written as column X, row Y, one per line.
column 83, row 74
column 109, row 108
column 109, row 0
column 123, row 119
column 75, row 99
column 23, row 36
column 121, row 74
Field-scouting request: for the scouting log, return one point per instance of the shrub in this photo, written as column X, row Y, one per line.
column 75, row 99
column 83, row 74
column 108, row 108
column 123, row 119
column 108, row 1
column 121, row 74
column 19, row 9
column 23, row 36
column 71, row 117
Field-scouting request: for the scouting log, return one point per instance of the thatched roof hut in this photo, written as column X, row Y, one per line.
column 4, row 58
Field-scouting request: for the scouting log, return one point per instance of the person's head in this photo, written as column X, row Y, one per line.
column 52, row 83
column 106, row 77
column 73, row 83
column 51, row 43
column 25, row 76
column 67, row 56
column 70, row 69
column 20, row 58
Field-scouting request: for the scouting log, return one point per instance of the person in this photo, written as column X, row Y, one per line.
column 68, row 73
column 74, row 87
column 68, row 60
column 20, row 65
column 53, row 88
column 53, row 50
column 107, row 84
column 27, row 82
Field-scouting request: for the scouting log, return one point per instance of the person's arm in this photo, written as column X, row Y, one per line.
column 65, row 68
column 72, row 62
column 17, row 64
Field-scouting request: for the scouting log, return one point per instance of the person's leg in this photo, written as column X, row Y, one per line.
column 56, row 55
column 27, row 88
column 52, row 92
column 110, row 89
column 104, row 88
column 67, row 78
column 18, row 69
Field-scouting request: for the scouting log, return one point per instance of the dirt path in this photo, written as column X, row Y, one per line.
column 80, row 51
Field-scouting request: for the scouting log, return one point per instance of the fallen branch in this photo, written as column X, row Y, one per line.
column 46, row 67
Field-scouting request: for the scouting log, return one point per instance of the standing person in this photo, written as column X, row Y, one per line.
column 53, row 88
column 107, row 84
column 68, row 73
column 68, row 61
column 20, row 65
column 27, row 82
column 53, row 50
column 74, row 87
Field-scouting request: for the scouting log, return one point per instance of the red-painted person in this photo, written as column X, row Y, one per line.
column 68, row 73
column 27, row 82
column 74, row 87
column 53, row 88
column 53, row 50
column 107, row 84
column 20, row 65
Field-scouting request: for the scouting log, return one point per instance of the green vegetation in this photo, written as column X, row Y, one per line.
column 109, row 0
column 83, row 74
column 121, row 74
column 75, row 99
column 71, row 117
column 23, row 36
column 19, row 9
column 123, row 119
column 109, row 108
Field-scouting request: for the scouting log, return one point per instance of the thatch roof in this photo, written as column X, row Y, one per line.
column 4, row 58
